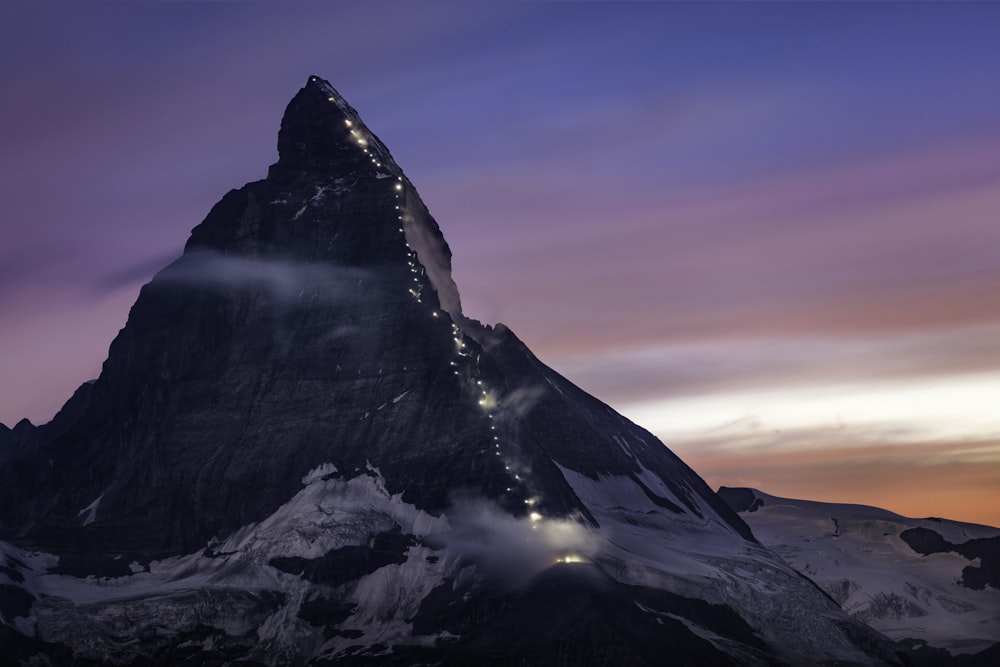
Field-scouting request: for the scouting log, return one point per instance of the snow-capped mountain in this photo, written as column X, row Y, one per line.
column 301, row 451
column 923, row 581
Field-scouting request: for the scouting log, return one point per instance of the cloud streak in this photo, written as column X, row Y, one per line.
column 284, row 281
column 690, row 368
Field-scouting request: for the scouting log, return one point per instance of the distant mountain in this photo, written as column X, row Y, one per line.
column 920, row 581
column 301, row 451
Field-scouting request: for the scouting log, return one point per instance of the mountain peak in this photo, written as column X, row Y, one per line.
column 321, row 130
column 335, row 196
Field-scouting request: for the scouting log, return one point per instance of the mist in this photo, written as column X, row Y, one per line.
column 508, row 548
column 283, row 281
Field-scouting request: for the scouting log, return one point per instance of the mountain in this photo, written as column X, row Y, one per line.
column 930, row 582
column 301, row 451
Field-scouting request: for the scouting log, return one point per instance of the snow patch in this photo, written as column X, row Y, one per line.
column 318, row 473
column 320, row 194
column 329, row 514
column 389, row 597
column 90, row 511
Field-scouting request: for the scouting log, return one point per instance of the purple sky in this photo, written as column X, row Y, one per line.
column 768, row 232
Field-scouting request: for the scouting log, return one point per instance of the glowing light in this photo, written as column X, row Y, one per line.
column 535, row 516
column 346, row 122
column 530, row 502
column 570, row 558
column 399, row 186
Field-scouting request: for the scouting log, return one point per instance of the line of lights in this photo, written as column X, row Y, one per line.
column 487, row 400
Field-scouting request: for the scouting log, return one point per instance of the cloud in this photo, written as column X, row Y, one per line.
column 134, row 273
column 916, row 409
column 522, row 400
column 511, row 549
column 283, row 281
column 652, row 371
column 432, row 252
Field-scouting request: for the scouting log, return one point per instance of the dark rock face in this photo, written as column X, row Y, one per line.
column 271, row 468
column 740, row 499
column 578, row 615
column 925, row 541
column 346, row 563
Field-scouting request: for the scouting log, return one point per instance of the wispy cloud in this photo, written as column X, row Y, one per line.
column 916, row 409
column 283, row 280
column 631, row 374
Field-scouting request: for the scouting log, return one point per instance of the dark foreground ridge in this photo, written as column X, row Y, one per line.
column 301, row 451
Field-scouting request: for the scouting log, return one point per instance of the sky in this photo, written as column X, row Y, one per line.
column 768, row 232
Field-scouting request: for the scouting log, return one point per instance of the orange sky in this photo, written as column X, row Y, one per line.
column 910, row 482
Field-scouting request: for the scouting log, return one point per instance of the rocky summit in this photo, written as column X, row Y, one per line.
column 300, row 451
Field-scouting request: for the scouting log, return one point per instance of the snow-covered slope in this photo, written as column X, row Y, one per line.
column 347, row 571
column 879, row 567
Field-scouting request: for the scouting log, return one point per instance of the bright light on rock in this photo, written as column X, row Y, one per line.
column 571, row 558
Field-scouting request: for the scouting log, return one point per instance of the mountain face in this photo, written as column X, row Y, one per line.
column 930, row 582
column 301, row 451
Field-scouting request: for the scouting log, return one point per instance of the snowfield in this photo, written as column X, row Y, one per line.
column 855, row 553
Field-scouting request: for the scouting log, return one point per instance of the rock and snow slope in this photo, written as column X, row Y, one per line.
column 301, row 451
column 931, row 580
